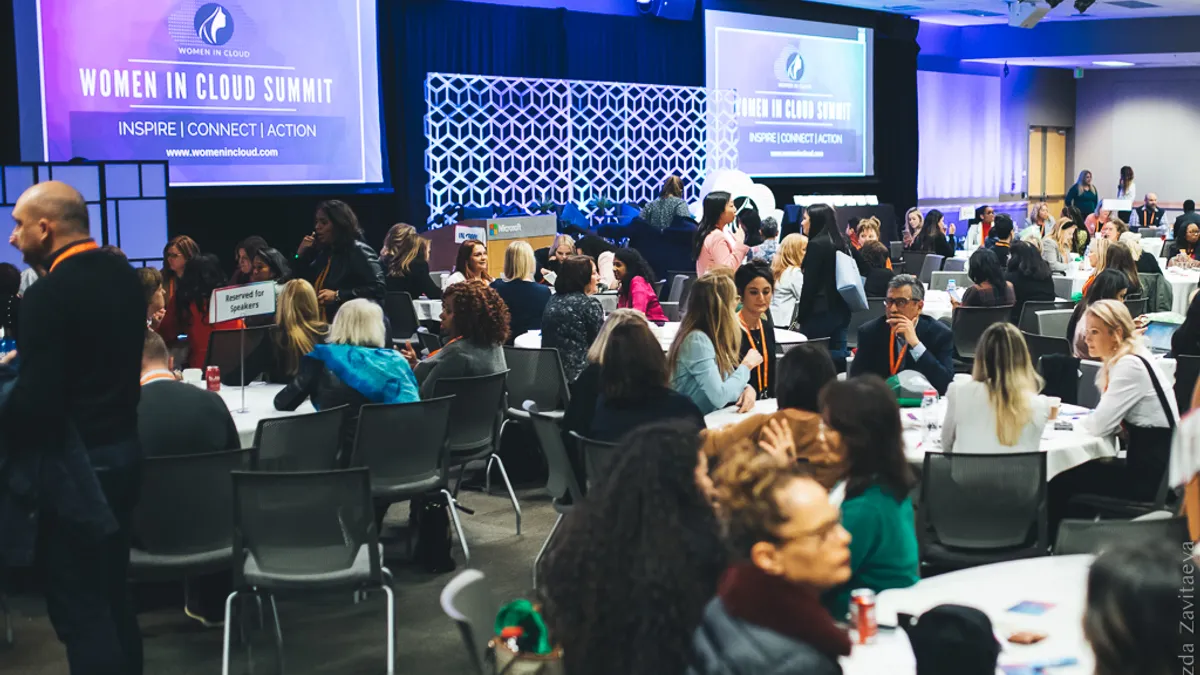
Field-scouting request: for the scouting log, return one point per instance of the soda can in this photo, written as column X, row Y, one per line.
column 863, row 628
column 213, row 377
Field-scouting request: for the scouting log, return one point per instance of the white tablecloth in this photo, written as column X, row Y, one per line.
column 1153, row 245
column 1065, row 449
column 1183, row 282
column 665, row 334
column 260, row 404
column 993, row 589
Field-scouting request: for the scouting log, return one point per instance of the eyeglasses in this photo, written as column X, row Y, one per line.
column 898, row 303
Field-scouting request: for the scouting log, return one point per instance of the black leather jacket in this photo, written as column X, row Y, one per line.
column 354, row 272
column 326, row 390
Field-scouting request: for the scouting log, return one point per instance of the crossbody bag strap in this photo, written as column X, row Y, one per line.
column 1162, row 398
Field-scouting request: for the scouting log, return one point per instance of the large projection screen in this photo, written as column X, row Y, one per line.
column 805, row 93
column 256, row 92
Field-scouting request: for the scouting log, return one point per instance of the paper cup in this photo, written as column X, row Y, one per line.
column 1055, row 404
column 193, row 375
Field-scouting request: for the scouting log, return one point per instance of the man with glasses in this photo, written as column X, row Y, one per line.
column 902, row 339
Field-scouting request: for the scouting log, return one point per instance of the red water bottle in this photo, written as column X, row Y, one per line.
column 213, row 376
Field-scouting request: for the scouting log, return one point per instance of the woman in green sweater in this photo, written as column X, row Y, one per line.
column 877, row 511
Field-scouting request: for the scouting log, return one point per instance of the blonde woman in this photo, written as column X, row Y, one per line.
column 1097, row 258
column 1135, row 398
column 1039, row 220
column 585, row 391
column 789, row 279
column 998, row 410
column 1056, row 245
column 562, row 248
column 913, row 222
column 405, row 261
column 704, row 357
column 526, row 299
column 1144, row 260
column 299, row 329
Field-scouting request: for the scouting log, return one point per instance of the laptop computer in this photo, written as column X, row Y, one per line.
column 1158, row 336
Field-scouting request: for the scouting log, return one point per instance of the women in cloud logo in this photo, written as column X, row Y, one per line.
column 795, row 66
column 213, row 24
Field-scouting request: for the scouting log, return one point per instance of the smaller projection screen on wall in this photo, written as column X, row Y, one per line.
column 805, row 93
column 236, row 92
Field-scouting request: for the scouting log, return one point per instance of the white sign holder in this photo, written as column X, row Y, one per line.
column 239, row 302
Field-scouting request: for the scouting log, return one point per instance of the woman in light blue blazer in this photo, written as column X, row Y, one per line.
column 704, row 357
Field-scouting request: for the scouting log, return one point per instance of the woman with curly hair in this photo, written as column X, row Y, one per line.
column 476, row 321
column 767, row 615
column 627, row 577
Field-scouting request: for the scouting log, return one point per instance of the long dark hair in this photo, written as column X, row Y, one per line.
column 635, row 266
column 875, row 451
column 592, row 246
column 637, row 561
column 985, row 267
column 345, row 224
column 1132, row 617
column 635, row 367
column 201, row 276
column 251, row 245
column 714, row 209
column 751, row 222
column 822, row 221
column 1119, row 257
column 803, row 371
column 930, row 232
column 1026, row 260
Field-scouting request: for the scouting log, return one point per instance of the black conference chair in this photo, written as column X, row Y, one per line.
column 402, row 316
column 1042, row 345
column 597, row 457
column 475, row 418
column 409, row 464
column 931, row 264
column 428, row 341
column 225, row 347
column 1092, row 536
column 981, row 509
column 306, row 531
column 561, row 482
column 308, row 442
column 955, row 265
column 183, row 522
column 875, row 309
column 468, row 600
column 1136, row 306
column 536, row 375
column 914, row 262
column 969, row 323
column 1028, row 321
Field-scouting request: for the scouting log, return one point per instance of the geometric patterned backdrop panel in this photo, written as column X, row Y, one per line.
column 522, row 141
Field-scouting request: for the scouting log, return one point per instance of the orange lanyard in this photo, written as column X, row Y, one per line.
column 157, row 375
column 762, row 370
column 74, row 250
column 443, row 347
column 321, row 284
column 893, row 360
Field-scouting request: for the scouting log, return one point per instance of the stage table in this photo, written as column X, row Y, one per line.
column 260, row 405
column 665, row 334
column 1064, row 449
column 1060, row 581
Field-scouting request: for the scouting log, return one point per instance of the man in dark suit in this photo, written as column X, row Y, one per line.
column 176, row 418
column 902, row 339
column 1189, row 216
column 1148, row 214
column 1002, row 238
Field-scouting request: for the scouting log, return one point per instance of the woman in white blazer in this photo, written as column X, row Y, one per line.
column 998, row 410
column 788, row 278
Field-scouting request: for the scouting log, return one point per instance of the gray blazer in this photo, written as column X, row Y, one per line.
column 1052, row 255
column 458, row 359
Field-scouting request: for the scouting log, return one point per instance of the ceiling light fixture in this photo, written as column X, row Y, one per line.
column 1114, row 64
column 1083, row 5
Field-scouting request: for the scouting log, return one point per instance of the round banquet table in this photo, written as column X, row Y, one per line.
column 1183, row 282
column 260, row 404
column 665, row 334
column 1064, row 449
column 1060, row 581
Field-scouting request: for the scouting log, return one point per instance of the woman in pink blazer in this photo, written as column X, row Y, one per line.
column 714, row 244
column 637, row 290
